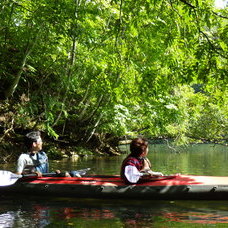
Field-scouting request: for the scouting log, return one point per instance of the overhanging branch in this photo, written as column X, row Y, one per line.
column 219, row 15
column 189, row 4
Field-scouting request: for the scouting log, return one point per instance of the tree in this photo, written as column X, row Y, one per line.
column 78, row 67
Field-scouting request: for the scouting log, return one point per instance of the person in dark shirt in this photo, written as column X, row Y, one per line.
column 136, row 165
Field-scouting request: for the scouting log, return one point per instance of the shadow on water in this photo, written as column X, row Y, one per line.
column 65, row 212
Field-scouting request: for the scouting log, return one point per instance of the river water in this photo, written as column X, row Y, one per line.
column 203, row 159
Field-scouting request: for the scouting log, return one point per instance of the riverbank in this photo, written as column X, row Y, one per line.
column 12, row 146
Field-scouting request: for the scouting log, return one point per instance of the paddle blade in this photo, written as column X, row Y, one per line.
column 8, row 178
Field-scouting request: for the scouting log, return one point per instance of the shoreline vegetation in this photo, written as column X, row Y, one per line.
column 12, row 147
column 87, row 73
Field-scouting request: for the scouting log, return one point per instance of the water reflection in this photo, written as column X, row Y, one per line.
column 37, row 212
column 7, row 219
column 198, row 217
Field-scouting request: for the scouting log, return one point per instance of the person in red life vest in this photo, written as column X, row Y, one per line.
column 136, row 165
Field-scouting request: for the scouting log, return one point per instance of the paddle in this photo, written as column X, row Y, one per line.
column 8, row 178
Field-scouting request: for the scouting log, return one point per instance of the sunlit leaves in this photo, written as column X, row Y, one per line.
column 114, row 66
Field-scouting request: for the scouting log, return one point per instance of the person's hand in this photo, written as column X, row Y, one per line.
column 38, row 174
column 57, row 171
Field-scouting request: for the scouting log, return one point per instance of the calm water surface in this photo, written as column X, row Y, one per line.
column 64, row 212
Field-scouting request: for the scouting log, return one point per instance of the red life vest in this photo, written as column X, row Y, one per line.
column 133, row 161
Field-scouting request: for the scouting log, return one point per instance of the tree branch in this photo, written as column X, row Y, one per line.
column 212, row 46
column 219, row 15
column 187, row 3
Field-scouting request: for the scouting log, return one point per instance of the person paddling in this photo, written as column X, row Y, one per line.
column 136, row 165
column 34, row 160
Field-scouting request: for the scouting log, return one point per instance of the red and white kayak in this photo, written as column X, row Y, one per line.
column 101, row 186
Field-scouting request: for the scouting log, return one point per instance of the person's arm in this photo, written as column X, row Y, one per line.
column 39, row 174
column 20, row 165
column 147, row 168
column 146, row 164
column 152, row 173
column 132, row 174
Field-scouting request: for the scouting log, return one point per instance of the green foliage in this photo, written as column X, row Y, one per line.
column 53, row 152
column 81, row 151
column 122, row 67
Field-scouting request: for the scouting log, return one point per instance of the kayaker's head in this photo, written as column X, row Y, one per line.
column 33, row 141
column 139, row 147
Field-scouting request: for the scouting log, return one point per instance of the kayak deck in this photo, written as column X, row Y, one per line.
column 175, row 180
column 94, row 186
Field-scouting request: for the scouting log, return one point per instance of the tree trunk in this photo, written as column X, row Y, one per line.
column 11, row 89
